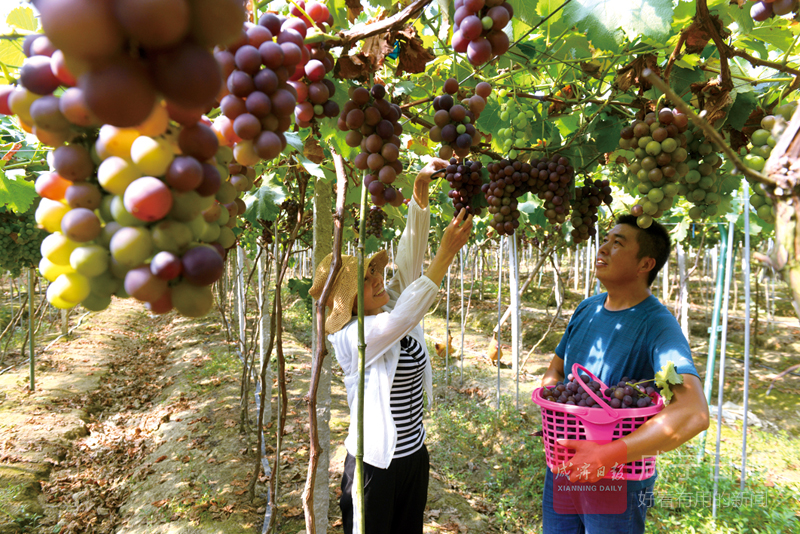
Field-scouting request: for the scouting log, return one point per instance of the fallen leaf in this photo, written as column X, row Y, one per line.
column 294, row 511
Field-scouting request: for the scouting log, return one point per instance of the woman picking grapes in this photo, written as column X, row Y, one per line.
column 398, row 369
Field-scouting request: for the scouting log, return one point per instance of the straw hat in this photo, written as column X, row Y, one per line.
column 345, row 286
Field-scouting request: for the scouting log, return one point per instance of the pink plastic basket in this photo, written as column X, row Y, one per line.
column 561, row 421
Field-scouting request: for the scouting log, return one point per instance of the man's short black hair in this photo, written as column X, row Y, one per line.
column 653, row 242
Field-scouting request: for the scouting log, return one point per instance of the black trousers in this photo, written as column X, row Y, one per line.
column 394, row 497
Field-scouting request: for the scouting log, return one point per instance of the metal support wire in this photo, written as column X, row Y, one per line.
column 447, row 332
column 463, row 319
column 499, row 311
column 746, row 276
column 721, row 384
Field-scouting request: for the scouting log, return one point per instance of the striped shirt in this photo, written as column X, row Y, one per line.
column 406, row 398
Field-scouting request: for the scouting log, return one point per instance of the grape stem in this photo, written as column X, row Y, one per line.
column 709, row 130
column 6, row 74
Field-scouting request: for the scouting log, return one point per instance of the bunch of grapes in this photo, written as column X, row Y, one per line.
column 267, row 232
column 660, row 146
column 520, row 131
column 507, row 181
column 118, row 59
column 626, row 394
column 19, row 240
column 291, row 207
column 478, row 29
column 552, row 185
column 762, row 142
column 266, row 72
column 455, row 122
column 313, row 102
column 374, row 222
column 584, row 208
column 466, row 183
column 764, row 9
column 145, row 223
column 700, row 184
column 372, row 123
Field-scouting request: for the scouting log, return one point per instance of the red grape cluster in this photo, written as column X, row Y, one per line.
column 123, row 55
column 466, row 182
column 584, row 208
column 374, row 222
column 267, row 232
column 291, row 207
column 552, row 185
column 265, row 70
column 764, row 9
column 660, row 145
column 455, row 121
column 478, row 29
column 371, row 123
column 624, row 395
column 507, row 180
column 313, row 100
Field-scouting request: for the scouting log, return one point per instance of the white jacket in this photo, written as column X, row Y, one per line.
column 410, row 297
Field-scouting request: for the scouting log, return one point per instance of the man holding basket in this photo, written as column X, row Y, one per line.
column 625, row 332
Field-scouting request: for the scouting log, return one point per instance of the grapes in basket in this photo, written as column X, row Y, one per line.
column 626, row 393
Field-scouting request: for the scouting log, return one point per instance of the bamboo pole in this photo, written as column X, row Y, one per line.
column 358, row 501
column 31, row 333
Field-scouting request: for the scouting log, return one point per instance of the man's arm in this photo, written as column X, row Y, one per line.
column 555, row 372
column 685, row 417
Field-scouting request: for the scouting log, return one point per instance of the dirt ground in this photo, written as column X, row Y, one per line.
column 135, row 425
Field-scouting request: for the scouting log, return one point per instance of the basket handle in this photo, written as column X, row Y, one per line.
column 603, row 404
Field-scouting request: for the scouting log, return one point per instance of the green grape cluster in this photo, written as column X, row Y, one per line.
column 762, row 141
column 700, row 185
column 519, row 132
column 20, row 240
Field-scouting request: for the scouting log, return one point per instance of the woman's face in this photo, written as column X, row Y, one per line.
column 375, row 295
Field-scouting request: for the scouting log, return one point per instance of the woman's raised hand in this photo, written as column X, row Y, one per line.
column 457, row 232
column 455, row 236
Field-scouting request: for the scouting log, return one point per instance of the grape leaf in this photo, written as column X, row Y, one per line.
column 293, row 140
column 312, row 168
column 606, row 134
column 739, row 112
column 11, row 53
column 23, row 18
column 608, row 22
column 264, row 202
column 667, row 377
column 526, row 12
column 680, row 79
column 16, row 192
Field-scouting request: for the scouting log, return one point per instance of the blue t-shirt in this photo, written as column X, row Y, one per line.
column 635, row 342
